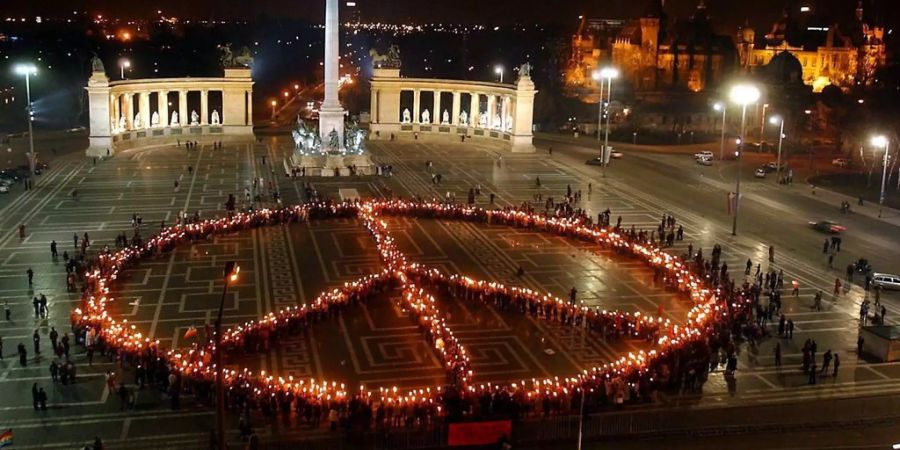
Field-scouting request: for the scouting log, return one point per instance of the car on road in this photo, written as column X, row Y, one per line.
column 704, row 154
column 840, row 162
column 827, row 226
column 705, row 161
column 772, row 166
column 4, row 189
column 886, row 281
column 594, row 161
column 616, row 154
column 760, row 172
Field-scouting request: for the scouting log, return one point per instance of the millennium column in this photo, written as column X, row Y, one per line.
column 183, row 118
column 331, row 114
column 204, row 107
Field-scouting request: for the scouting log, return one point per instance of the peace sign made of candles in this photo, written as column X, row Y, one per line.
column 711, row 308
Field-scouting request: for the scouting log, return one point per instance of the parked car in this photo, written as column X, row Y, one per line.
column 886, row 280
column 827, row 226
column 4, row 189
column 705, row 161
column 760, row 172
column 704, row 154
column 840, row 162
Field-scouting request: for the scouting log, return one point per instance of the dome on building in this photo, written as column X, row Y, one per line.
column 784, row 68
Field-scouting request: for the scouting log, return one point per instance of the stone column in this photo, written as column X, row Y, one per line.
column 162, row 107
column 248, row 97
column 436, row 117
column 129, row 111
column 474, row 104
column 416, row 104
column 491, row 107
column 454, row 109
column 373, row 106
column 183, row 118
column 145, row 109
column 204, row 107
column 114, row 111
column 504, row 109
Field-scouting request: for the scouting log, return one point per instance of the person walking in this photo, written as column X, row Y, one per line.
column 37, row 342
column 837, row 286
column 749, row 267
column 790, row 328
column 54, row 371
column 837, row 363
column 826, row 361
column 34, row 396
column 53, row 252
column 30, row 274
column 572, row 294
column 859, row 345
column 54, row 336
column 23, row 355
column 795, row 284
column 7, row 311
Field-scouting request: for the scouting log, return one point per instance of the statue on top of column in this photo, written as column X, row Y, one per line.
column 97, row 64
column 389, row 60
column 525, row 70
column 229, row 60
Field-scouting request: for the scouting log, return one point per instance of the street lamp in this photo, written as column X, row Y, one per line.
column 762, row 123
column 596, row 77
column 499, row 71
column 609, row 73
column 882, row 141
column 274, row 103
column 28, row 70
column 124, row 64
column 230, row 275
column 720, row 106
column 778, row 120
column 741, row 94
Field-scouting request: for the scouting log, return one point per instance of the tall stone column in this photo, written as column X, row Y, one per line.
column 162, row 106
column 129, row 111
column 454, row 109
column 436, row 117
column 331, row 114
column 145, row 109
column 474, row 105
column 504, row 110
column 183, row 118
column 116, row 112
column 204, row 107
column 491, row 107
column 416, row 105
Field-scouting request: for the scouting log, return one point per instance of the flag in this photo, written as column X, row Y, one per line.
column 6, row 438
column 190, row 333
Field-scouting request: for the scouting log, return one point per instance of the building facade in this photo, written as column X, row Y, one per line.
column 829, row 54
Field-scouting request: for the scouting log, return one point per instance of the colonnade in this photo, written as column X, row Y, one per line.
column 495, row 115
column 131, row 110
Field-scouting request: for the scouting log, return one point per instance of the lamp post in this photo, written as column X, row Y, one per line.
column 499, row 71
column 609, row 73
column 124, row 64
column 596, row 77
column 762, row 124
column 741, row 94
column 778, row 120
column 27, row 70
column 719, row 106
column 231, row 274
column 882, row 141
column 274, row 104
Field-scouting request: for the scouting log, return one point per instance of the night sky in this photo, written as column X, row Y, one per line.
column 728, row 13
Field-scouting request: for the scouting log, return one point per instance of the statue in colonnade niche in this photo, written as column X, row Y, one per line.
column 464, row 118
column 121, row 122
column 426, row 116
column 445, row 118
column 482, row 120
column 407, row 117
column 154, row 119
column 174, row 122
column 137, row 121
column 497, row 122
column 215, row 117
column 195, row 118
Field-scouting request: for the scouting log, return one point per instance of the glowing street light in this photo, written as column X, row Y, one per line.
column 778, row 120
column 28, row 70
column 720, row 106
column 882, row 141
column 499, row 71
column 608, row 73
column 274, row 104
column 124, row 64
column 741, row 94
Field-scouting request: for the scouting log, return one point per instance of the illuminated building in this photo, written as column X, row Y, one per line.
column 828, row 54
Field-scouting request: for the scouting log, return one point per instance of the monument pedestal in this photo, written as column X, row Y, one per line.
column 331, row 119
column 333, row 165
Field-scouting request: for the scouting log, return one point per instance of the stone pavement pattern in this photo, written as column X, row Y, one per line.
column 288, row 265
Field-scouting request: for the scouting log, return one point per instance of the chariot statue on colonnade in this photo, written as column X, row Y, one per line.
column 229, row 60
column 389, row 60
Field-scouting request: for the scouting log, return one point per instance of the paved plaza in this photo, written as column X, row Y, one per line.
column 376, row 344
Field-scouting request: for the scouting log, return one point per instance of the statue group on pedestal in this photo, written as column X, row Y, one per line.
column 306, row 140
column 390, row 60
